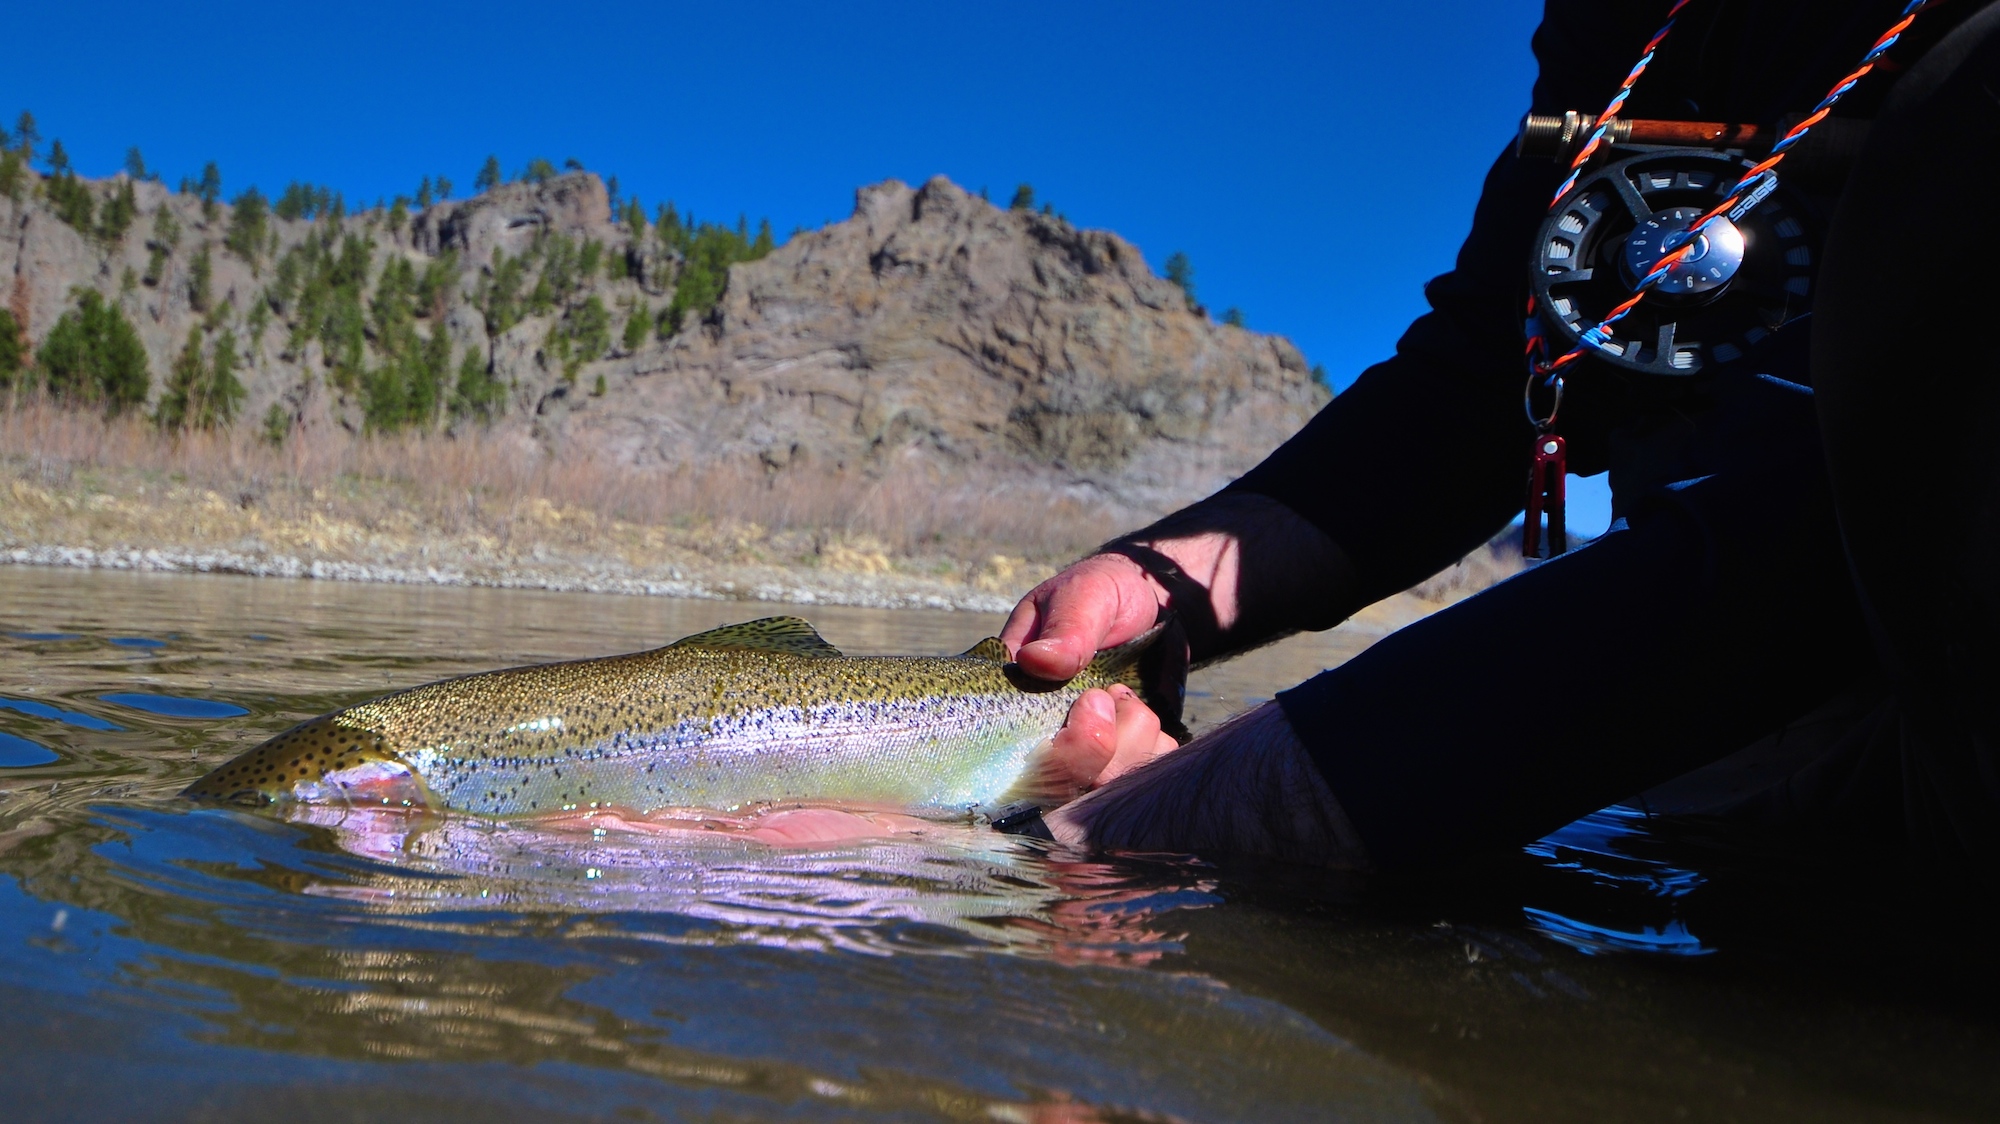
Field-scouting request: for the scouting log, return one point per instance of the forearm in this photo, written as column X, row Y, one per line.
column 1247, row 788
column 1240, row 570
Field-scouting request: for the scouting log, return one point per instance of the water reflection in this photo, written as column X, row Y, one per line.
column 1600, row 849
column 942, row 888
column 948, row 977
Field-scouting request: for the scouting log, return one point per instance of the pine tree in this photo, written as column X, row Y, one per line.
column 538, row 171
column 209, row 189
column 1181, row 272
column 135, row 165
column 13, row 349
column 258, row 320
column 248, row 225
column 26, row 136
column 637, row 325
column 93, row 355
column 73, row 202
column 58, row 159
column 444, row 188
column 424, row 194
column 13, row 175
column 489, row 175
column 295, row 203
column 478, row 394
column 225, row 391
column 201, row 280
column 764, row 243
column 118, row 213
column 1233, row 317
column 589, row 335
column 187, row 382
column 166, row 235
column 1024, row 199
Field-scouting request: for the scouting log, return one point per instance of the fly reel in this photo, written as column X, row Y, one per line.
column 1750, row 273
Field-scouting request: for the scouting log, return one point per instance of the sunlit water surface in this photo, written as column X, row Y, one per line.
column 159, row 961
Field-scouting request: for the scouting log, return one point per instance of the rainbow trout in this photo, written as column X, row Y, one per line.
column 740, row 717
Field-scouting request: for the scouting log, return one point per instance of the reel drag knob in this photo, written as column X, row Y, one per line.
column 1717, row 253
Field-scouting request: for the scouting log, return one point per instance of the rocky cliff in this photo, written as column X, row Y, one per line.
column 930, row 328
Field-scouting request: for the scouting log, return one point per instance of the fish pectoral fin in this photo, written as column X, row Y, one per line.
column 988, row 649
column 770, row 634
column 1045, row 781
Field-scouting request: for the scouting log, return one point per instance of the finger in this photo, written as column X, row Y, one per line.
column 1139, row 738
column 799, row 827
column 1088, row 740
column 1098, row 603
column 1023, row 623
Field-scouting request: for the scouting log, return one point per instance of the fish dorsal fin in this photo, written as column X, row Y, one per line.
column 770, row 634
column 988, row 649
column 1121, row 664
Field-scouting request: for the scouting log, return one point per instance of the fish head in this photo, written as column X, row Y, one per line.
column 324, row 761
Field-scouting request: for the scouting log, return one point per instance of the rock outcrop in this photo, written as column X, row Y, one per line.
column 928, row 328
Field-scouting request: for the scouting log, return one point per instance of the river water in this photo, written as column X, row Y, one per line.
column 160, row 961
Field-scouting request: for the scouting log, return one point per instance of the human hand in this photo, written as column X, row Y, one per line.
column 1109, row 732
column 1100, row 602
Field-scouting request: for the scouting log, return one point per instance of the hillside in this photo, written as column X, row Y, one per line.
column 934, row 401
column 930, row 327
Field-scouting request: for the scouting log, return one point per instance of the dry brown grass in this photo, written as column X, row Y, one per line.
column 496, row 503
column 502, row 488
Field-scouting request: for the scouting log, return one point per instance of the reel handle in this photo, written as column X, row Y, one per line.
column 1559, row 138
column 1821, row 159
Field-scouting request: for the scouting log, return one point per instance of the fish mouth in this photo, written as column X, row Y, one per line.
column 319, row 762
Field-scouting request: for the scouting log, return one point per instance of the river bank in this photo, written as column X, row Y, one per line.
column 78, row 489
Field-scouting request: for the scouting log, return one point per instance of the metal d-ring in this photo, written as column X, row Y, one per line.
column 1542, row 425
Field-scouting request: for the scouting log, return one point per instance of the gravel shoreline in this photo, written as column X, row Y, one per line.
column 724, row 583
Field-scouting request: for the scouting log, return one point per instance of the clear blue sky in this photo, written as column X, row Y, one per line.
column 1317, row 162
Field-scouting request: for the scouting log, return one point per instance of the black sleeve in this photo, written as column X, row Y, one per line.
column 1426, row 455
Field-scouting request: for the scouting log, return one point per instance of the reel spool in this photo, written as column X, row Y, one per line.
column 1747, row 278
